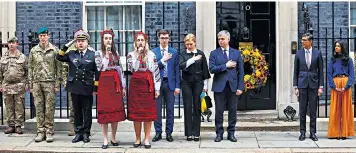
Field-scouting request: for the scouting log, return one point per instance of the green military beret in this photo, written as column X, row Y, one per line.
column 12, row 39
column 43, row 30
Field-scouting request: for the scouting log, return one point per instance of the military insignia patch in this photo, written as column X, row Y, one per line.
column 88, row 61
column 75, row 60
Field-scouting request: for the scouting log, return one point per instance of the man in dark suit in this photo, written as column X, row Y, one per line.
column 227, row 66
column 308, row 83
column 168, row 63
column 80, row 83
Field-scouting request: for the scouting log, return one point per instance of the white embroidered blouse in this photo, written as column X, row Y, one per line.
column 103, row 64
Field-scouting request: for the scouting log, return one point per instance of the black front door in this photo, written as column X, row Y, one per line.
column 259, row 18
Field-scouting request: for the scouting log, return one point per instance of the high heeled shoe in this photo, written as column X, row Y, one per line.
column 114, row 143
column 196, row 138
column 148, row 146
column 137, row 145
column 104, row 146
column 190, row 138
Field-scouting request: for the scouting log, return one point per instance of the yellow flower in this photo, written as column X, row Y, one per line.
column 266, row 67
column 253, row 81
column 258, row 73
column 245, row 52
column 247, row 77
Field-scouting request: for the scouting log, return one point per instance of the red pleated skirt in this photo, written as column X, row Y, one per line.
column 141, row 104
column 110, row 103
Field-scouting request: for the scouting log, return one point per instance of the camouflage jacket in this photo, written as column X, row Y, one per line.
column 43, row 66
column 13, row 73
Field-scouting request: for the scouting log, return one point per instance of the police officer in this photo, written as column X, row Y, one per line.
column 44, row 73
column 80, row 83
column 13, row 84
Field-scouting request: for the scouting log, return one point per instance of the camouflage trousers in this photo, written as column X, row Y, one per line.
column 14, row 104
column 71, row 110
column 45, row 102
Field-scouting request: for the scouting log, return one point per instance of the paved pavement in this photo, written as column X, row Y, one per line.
column 260, row 142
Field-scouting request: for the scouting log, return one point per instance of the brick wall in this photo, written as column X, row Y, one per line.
column 57, row 16
column 155, row 16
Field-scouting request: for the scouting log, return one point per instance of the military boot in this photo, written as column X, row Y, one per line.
column 49, row 137
column 40, row 137
column 9, row 130
column 71, row 132
column 19, row 130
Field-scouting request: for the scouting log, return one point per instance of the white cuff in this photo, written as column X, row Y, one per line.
column 163, row 62
column 205, row 84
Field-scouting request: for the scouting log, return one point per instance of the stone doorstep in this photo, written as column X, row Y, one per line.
column 127, row 126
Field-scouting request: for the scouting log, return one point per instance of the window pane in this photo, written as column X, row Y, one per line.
column 129, row 45
column 95, row 40
column 114, row 17
column 133, row 17
column 353, row 13
column 95, row 18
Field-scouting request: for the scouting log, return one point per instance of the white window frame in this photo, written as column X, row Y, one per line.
column 352, row 51
column 120, row 3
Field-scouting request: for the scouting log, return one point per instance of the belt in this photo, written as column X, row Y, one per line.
column 340, row 76
column 165, row 78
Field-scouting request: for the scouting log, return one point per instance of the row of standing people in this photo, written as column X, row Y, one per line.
column 156, row 75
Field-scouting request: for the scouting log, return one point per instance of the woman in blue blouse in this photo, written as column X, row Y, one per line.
column 341, row 78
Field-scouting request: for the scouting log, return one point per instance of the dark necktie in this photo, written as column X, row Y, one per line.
column 225, row 55
column 81, row 54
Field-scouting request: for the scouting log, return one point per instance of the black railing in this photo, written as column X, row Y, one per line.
column 61, row 38
column 325, row 45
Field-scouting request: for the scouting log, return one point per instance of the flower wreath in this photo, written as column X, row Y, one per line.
column 255, row 68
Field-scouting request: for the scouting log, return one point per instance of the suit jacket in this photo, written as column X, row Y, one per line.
column 172, row 67
column 82, row 72
column 308, row 78
column 217, row 66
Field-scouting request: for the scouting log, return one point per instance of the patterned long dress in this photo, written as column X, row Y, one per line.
column 144, row 82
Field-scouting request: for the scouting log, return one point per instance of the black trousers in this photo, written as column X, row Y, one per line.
column 308, row 96
column 229, row 99
column 191, row 99
column 82, row 105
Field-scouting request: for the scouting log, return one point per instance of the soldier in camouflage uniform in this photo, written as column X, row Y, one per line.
column 44, row 73
column 71, row 114
column 13, row 84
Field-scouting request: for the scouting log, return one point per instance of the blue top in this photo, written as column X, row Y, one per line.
column 338, row 68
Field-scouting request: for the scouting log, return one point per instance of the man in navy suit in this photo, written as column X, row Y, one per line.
column 168, row 63
column 308, row 83
column 227, row 66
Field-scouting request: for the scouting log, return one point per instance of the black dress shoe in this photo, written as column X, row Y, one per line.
column 137, row 145
column 343, row 138
column 104, row 146
column 86, row 138
column 114, row 143
column 189, row 138
column 232, row 138
column 302, row 137
column 196, row 138
column 313, row 137
column 218, row 138
column 77, row 138
column 169, row 138
column 157, row 137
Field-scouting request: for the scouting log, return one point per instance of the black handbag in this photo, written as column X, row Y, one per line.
column 208, row 101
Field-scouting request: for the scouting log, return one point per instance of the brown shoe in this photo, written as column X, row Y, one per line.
column 71, row 132
column 19, row 130
column 9, row 130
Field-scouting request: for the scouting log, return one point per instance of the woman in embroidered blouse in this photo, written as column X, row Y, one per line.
column 341, row 78
column 111, row 89
column 144, row 88
column 195, row 75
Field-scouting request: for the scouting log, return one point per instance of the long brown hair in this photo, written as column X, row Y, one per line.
column 146, row 49
column 103, row 46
